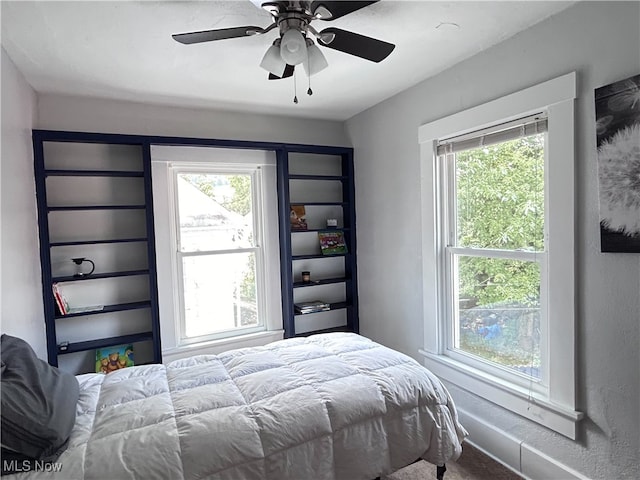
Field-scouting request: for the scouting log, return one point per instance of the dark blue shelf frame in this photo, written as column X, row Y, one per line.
column 96, row 207
column 120, row 307
column 324, row 281
column 318, row 177
column 95, row 276
column 41, row 173
column 95, row 242
column 106, row 342
column 349, row 219
column 93, row 173
column 281, row 151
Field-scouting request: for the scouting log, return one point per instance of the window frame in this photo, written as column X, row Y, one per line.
column 255, row 172
column 165, row 157
column 555, row 406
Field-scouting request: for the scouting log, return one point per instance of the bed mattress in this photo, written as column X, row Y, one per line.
column 329, row 406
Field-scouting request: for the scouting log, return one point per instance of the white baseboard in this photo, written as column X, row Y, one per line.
column 492, row 441
column 538, row 465
column 513, row 452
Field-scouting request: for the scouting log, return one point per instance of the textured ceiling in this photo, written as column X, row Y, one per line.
column 124, row 50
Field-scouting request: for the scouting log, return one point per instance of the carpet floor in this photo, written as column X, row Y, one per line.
column 472, row 465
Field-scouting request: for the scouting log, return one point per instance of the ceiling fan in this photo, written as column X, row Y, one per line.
column 294, row 46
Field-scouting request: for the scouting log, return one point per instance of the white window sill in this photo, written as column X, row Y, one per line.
column 512, row 397
column 214, row 347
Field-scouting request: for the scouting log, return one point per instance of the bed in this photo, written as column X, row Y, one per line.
column 327, row 406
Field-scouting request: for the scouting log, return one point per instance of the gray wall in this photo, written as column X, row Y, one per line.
column 601, row 42
column 21, row 297
column 61, row 112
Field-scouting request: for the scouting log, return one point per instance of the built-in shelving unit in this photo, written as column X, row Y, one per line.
column 94, row 201
column 321, row 180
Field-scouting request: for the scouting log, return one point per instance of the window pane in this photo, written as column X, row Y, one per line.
column 214, row 211
column 500, row 195
column 498, row 311
column 219, row 293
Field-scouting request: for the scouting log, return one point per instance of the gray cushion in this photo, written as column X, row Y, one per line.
column 38, row 402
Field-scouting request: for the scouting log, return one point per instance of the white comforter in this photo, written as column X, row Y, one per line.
column 331, row 406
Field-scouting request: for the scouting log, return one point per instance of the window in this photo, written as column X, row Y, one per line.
column 498, row 252
column 494, row 250
column 218, row 255
column 217, row 248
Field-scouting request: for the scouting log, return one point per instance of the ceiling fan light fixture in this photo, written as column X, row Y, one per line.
column 272, row 62
column 293, row 47
column 316, row 61
column 298, row 40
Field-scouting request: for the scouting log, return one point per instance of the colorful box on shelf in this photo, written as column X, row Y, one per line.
column 332, row 243
column 297, row 218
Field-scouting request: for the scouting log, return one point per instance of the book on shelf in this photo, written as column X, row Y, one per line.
column 332, row 243
column 298, row 218
column 86, row 308
column 110, row 359
column 63, row 307
column 312, row 307
column 60, row 301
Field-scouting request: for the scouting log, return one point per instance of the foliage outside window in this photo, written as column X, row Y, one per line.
column 495, row 247
column 495, row 250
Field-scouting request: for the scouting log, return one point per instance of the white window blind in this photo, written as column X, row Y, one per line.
column 503, row 132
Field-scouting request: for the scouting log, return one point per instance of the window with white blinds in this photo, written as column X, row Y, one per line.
column 498, row 251
column 494, row 253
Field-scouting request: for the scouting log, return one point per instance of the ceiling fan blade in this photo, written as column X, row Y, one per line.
column 355, row 44
column 336, row 9
column 288, row 71
column 219, row 34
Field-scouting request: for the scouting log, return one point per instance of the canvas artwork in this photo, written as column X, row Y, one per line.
column 618, row 141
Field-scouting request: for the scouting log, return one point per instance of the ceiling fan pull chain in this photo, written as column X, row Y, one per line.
column 309, row 91
column 295, row 90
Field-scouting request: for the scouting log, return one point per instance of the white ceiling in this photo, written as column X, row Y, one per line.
column 124, row 50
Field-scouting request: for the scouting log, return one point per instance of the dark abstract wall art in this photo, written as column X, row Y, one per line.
column 618, row 141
